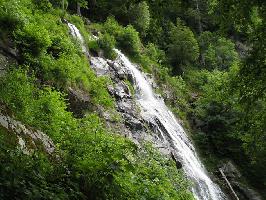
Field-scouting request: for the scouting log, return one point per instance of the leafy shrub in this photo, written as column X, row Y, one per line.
column 44, row 109
column 112, row 27
column 31, row 176
column 93, row 46
column 107, row 43
column 129, row 41
column 127, row 38
column 33, row 39
column 44, row 5
column 154, row 53
column 13, row 14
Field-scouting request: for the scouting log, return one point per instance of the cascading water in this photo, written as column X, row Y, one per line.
column 154, row 109
column 76, row 34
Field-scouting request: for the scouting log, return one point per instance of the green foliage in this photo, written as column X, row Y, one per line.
column 112, row 27
column 140, row 17
column 227, row 129
column 100, row 165
column 129, row 41
column 154, row 53
column 217, row 52
column 183, row 47
column 44, row 109
column 107, row 43
column 33, row 39
column 93, row 46
column 216, row 111
column 31, row 176
column 13, row 14
column 228, row 100
column 45, row 45
column 44, row 5
column 127, row 38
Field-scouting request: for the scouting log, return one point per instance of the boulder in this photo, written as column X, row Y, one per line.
column 27, row 137
column 79, row 101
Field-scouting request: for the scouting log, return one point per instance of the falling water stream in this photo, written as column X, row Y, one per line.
column 154, row 109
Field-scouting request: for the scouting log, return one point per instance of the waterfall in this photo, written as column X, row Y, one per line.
column 76, row 34
column 155, row 110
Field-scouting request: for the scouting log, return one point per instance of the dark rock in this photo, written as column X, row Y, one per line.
column 125, row 106
column 133, row 123
column 121, row 72
column 79, row 101
column 95, row 32
column 7, row 49
column 177, row 162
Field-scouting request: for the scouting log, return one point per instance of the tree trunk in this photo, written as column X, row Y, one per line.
column 93, row 3
column 78, row 9
column 199, row 17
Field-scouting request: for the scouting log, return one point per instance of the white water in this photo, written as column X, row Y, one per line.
column 76, row 34
column 154, row 108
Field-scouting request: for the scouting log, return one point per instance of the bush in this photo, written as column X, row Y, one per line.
column 44, row 5
column 43, row 109
column 112, row 27
column 127, row 38
column 107, row 43
column 33, row 39
column 129, row 41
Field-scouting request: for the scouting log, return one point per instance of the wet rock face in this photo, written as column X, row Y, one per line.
column 28, row 139
column 121, row 72
column 132, row 125
column 121, row 91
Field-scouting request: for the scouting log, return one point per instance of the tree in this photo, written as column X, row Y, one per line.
column 247, row 18
column 81, row 4
column 183, row 47
column 140, row 17
column 217, row 52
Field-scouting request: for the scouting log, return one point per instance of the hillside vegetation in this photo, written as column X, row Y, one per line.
column 207, row 57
